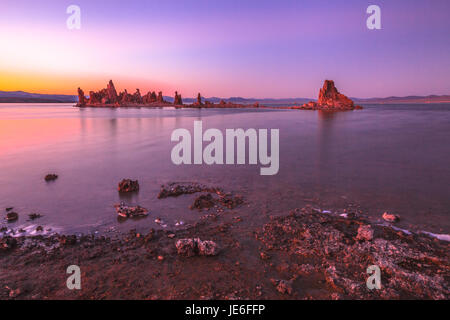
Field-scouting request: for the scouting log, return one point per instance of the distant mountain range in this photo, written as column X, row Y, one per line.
column 401, row 100
column 25, row 97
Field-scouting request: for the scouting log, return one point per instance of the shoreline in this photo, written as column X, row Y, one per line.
column 303, row 254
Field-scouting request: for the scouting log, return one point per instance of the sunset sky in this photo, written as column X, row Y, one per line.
column 248, row 48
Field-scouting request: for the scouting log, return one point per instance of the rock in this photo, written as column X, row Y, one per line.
column 51, row 177
column 192, row 247
column 175, row 190
column 94, row 97
column 39, row 229
column 199, row 99
column 325, row 242
column 203, row 202
column 81, row 97
column 7, row 243
column 330, row 99
column 230, row 201
column 389, row 217
column 33, row 216
column 126, row 211
column 14, row 293
column 207, row 248
column 12, row 216
column 283, row 286
column 149, row 97
column 186, row 247
column 160, row 97
column 125, row 97
column 365, row 233
column 330, row 96
column 128, row 185
column 264, row 256
column 112, row 93
column 177, row 99
column 137, row 98
column 68, row 240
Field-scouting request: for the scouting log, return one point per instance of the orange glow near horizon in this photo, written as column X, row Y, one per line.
column 66, row 84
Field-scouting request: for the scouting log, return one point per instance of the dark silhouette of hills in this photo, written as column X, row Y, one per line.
column 26, row 97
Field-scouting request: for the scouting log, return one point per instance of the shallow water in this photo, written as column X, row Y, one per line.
column 384, row 158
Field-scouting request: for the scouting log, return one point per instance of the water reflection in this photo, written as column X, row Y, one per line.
column 401, row 165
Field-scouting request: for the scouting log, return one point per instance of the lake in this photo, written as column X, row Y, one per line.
column 384, row 158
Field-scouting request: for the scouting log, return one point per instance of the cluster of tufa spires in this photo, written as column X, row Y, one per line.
column 109, row 96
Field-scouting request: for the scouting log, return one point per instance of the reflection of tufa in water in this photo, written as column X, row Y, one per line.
column 214, row 152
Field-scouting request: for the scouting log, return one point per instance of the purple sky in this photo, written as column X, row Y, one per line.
column 224, row 48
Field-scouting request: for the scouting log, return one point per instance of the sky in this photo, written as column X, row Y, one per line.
column 225, row 48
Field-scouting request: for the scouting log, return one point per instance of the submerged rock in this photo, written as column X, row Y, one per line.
column 12, row 216
column 175, row 190
column 126, row 211
column 128, row 185
column 51, row 177
column 33, row 216
column 204, row 201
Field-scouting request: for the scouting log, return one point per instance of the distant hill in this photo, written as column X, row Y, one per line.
column 401, row 100
column 240, row 100
column 25, row 97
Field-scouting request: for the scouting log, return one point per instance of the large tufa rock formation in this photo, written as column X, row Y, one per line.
column 330, row 99
column 108, row 97
column 199, row 99
column 330, row 96
column 112, row 93
column 160, row 97
column 177, row 100
column 81, row 97
column 137, row 98
column 150, row 97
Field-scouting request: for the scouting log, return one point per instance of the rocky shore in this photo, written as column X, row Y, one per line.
column 329, row 99
column 302, row 254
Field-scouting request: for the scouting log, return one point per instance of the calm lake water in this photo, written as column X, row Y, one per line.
column 383, row 158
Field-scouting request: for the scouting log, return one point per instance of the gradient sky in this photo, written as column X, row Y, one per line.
column 249, row 48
